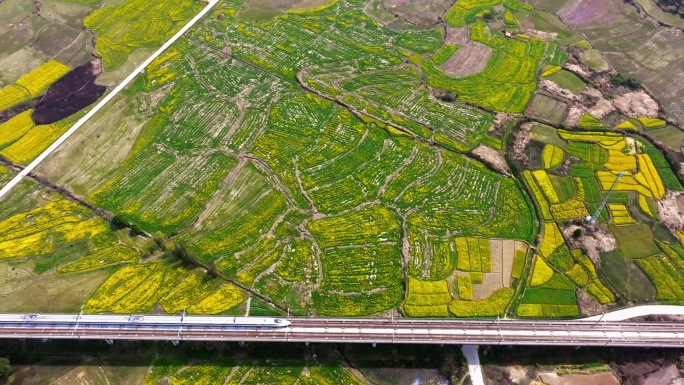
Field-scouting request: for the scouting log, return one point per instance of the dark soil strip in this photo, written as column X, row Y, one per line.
column 70, row 94
column 12, row 112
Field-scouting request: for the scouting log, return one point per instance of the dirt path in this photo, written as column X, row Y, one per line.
column 10, row 185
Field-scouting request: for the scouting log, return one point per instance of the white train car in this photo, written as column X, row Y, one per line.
column 141, row 320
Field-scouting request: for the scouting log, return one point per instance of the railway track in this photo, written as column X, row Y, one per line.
column 355, row 330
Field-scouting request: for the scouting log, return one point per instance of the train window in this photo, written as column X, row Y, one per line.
column 278, row 320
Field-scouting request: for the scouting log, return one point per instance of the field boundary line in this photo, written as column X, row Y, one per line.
column 8, row 187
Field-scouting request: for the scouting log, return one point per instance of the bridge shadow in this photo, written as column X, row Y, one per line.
column 131, row 353
column 383, row 361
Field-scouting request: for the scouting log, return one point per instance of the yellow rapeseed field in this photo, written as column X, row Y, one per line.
column 552, row 156
column 427, row 298
column 626, row 125
column 13, row 129
column 13, row 95
column 551, row 239
column 545, row 185
column 31, row 233
column 541, row 272
column 619, row 214
column 226, row 297
column 38, row 80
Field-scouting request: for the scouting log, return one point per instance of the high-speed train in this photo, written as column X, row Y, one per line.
column 142, row 320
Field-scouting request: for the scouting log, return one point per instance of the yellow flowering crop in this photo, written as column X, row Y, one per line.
column 117, row 286
column 427, row 298
column 571, row 209
column 188, row 292
column 38, row 80
column 643, row 205
column 595, row 287
column 551, row 239
column 589, row 136
column 15, row 128
column 490, row 307
column 314, row 10
column 581, row 193
column 617, row 161
column 655, row 184
column 619, row 214
column 613, row 145
column 578, row 275
column 538, row 196
column 552, row 156
column 551, row 71
column 465, row 288
column 142, row 297
column 532, row 310
column 541, row 272
column 652, row 122
column 13, row 95
column 626, row 183
column 104, row 258
column 33, row 143
column 32, row 233
column 473, row 254
column 545, row 185
column 226, row 297
column 626, row 125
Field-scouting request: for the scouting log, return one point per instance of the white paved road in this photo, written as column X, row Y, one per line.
column 474, row 368
column 638, row 311
column 8, row 187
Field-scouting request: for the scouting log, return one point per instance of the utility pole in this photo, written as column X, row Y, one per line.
column 592, row 218
column 599, row 320
column 78, row 319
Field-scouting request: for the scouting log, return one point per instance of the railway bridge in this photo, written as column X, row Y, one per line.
column 586, row 332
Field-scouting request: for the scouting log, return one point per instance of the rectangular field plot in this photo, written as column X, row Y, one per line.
column 427, row 299
column 362, row 268
column 547, row 109
column 367, row 226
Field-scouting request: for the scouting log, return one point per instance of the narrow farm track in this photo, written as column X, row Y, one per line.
column 10, row 185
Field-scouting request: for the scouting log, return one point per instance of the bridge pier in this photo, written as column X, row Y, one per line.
column 242, row 344
column 374, row 344
column 44, row 340
column 175, row 342
column 109, row 342
column 306, row 343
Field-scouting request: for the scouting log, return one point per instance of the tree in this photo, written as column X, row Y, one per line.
column 488, row 15
column 627, row 81
column 181, row 252
column 577, row 233
column 5, row 370
column 448, row 97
